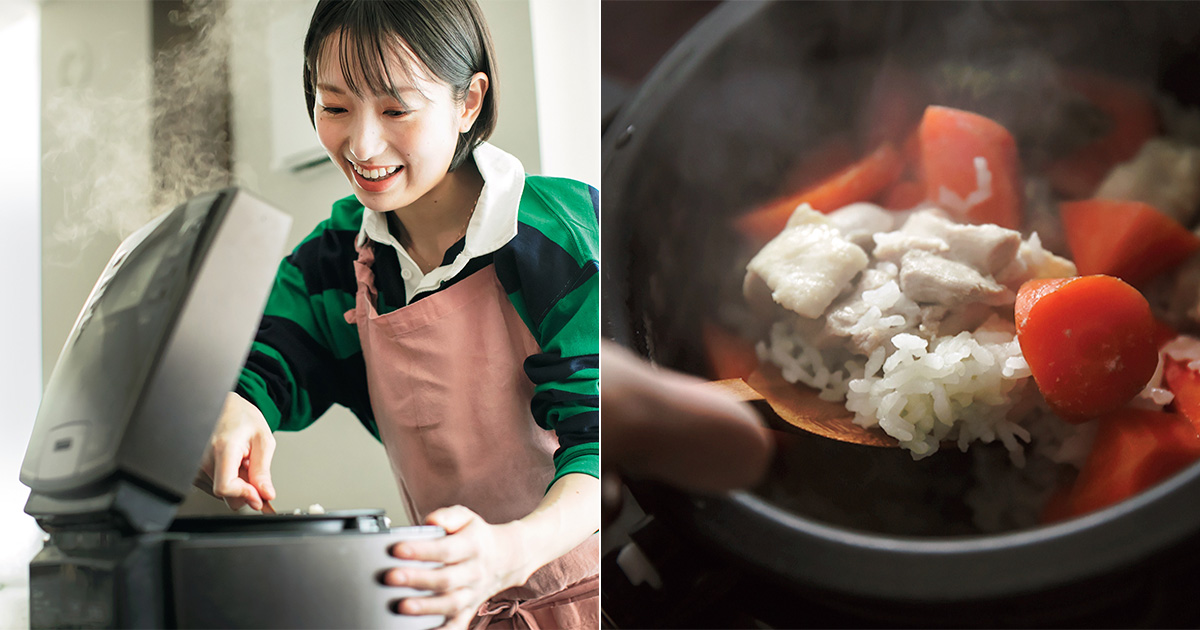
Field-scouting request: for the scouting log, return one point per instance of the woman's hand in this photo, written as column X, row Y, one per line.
column 479, row 560
column 671, row 427
column 237, row 464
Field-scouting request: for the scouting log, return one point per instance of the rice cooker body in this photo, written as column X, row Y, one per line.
column 241, row 571
column 712, row 132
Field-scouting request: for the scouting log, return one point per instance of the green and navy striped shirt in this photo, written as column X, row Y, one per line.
column 542, row 236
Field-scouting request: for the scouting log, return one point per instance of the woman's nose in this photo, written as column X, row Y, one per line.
column 366, row 138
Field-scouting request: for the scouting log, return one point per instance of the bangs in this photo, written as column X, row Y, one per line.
column 362, row 52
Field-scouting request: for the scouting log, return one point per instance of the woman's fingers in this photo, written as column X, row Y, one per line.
column 453, row 548
column 449, row 604
column 227, row 482
column 204, row 481
column 440, row 580
column 667, row 426
column 262, row 449
column 447, row 550
column 452, row 519
column 238, row 460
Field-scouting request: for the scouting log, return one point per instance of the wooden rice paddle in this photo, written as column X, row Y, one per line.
column 800, row 407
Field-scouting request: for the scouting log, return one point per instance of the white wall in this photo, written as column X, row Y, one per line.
column 20, row 373
column 517, row 130
column 96, row 142
column 566, row 64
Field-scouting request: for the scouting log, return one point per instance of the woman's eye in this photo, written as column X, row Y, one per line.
column 333, row 110
column 395, row 113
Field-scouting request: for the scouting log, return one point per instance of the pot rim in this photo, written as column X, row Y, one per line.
column 945, row 569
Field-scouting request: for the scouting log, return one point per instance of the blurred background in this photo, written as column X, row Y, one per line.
column 116, row 110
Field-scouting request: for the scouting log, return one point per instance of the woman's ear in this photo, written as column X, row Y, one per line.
column 473, row 103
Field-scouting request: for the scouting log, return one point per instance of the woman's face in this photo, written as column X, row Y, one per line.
column 393, row 151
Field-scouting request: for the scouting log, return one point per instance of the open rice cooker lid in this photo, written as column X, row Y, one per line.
column 711, row 133
column 139, row 385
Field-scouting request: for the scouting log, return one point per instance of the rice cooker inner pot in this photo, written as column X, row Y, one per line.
column 714, row 132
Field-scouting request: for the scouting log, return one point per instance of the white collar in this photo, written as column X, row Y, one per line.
column 493, row 223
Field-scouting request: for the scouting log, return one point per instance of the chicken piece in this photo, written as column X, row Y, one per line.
column 1034, row 262
column 987, row 248
column 852, row 316
column 1164, row 174
column 858, row 222
column 808, row 264
column 929, row 279
column 930, row 318
column 861, row 340
column 941, row 321
column 891, row 246
column 758, row 299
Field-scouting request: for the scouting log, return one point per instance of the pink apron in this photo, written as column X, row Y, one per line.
column 451, row 400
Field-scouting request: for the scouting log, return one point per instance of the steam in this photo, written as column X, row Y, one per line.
column 191, row 136
column 115, row 174
column 104, row 195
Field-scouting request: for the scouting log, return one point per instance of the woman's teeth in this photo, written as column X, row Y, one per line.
column 374, row 173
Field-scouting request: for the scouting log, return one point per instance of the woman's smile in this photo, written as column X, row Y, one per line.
column 374, row 179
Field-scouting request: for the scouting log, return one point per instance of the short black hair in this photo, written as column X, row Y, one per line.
column 450, row 37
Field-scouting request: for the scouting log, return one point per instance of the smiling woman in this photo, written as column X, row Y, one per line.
column 451, row 302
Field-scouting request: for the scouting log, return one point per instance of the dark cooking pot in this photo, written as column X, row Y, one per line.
column 714, row 131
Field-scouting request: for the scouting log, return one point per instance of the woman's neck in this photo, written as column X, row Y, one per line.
column 429, row 226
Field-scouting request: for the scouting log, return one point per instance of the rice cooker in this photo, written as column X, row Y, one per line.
column 119, row 436
column 844, row 535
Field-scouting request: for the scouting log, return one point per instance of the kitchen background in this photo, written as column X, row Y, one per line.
column 114, row 110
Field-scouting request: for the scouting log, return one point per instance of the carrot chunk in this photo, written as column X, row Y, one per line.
column 902, row 196
column 1089, row 342
column 861, row 181
column 1163, row 333
column 1134, row 450
column 909, row 189
column 1128, row 239
column 1184, row 382
column 951, row 140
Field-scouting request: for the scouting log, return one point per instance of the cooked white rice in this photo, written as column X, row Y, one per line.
column 958, row 388
column 1006, row 497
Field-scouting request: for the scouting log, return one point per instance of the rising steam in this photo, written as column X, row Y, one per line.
column 128, row 183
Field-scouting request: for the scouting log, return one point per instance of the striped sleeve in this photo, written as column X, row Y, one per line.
column 305, row 356
column 550, row 271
